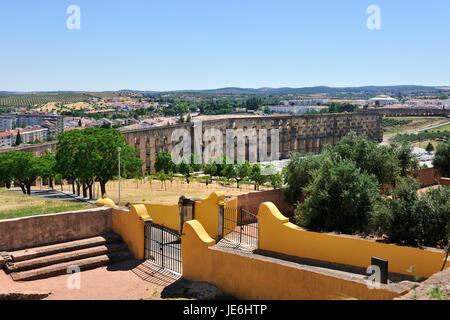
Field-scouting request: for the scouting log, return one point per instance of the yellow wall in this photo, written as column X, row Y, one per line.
column 165, row 215
column 130, row 226
column 278, row 235
column 263, row 278
column 207, row 212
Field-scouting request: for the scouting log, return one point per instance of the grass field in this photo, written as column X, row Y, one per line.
column 169, row 194
column 441, row 129
column 416, row 123
column 14, row 205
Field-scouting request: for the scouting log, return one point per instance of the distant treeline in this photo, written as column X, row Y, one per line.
column 421, row 136
column 389, row 122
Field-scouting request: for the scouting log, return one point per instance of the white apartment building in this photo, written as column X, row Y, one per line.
column 27, row 135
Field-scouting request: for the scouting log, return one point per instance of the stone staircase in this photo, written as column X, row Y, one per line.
column 53, row 260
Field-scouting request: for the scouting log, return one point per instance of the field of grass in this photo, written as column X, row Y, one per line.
column 15, row 205
column 29, row 100
column 140, row 191
column 412, row 124
column 441, row 129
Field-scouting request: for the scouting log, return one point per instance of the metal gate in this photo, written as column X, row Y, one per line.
column 163, row 247
column 240, row 228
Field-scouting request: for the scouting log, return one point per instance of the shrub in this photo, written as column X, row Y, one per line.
column 298, row 174
column 441, row 159
column 408, row 219
column 340, row 198
column 397, row 217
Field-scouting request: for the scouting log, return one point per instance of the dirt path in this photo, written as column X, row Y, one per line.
column 128, row 280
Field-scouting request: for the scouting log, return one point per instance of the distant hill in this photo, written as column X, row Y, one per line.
column 350, row 91
column 363, row 92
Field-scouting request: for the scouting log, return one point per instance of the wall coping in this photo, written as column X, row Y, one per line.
column 57, row 214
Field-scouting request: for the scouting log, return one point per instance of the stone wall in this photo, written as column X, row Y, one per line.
column 298, row 133
column 36, row 149
column 428, row 177
column 251, row 201
column 28, row 232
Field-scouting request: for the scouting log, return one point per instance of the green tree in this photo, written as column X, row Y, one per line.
column 276, row 180
column 18, row 139
column 256, row 176
column 441, row 159
column 5, row 170
column 164, row 162
column 243, row 171
column 429, row 148
column 407, row 218
column 92, row 154
column 24, row 169
column 47, row 164
column 340, row 198
column 299, row 174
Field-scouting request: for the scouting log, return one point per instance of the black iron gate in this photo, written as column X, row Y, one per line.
column 240, row 228
column 163, row 247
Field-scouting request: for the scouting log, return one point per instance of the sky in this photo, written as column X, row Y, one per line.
column 206, row 44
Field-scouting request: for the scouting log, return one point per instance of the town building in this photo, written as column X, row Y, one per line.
column 383, row 100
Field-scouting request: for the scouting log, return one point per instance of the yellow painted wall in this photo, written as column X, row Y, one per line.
column 278, row 235
column 165, row 215
column 130, row 226
column 207, row 212
column 256, row 278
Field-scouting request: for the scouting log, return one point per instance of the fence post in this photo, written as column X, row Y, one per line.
column 221, row 222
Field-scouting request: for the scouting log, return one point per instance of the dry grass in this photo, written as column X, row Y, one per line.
column 14, row 205
column 417, row 123
column 155, row 192
column 67, row 106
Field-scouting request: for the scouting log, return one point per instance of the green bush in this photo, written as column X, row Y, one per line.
column 298, row 174
column 441, row 159
column 407, row 218
column 340, row 198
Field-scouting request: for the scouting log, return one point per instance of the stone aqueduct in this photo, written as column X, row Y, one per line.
column 299, row 133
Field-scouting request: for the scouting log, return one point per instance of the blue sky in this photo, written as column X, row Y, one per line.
column 201, row 44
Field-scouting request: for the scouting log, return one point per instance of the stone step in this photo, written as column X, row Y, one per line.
column 61, row 268
column 64, row 257
column 42, row 251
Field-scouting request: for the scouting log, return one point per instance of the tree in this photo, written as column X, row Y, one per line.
column 276, row 180
column 164, row 162
column 408, row 162
column 429, row 148
column 47, row 164
column 256, row 176
column 5, row 170
column 87, row 155
column 340, row 198
column 24, row 169
column 162, row 177
column 381, row 161
column 243, row 171
column 196, row 162
column 407, row 218
column 299, row 174
column 18, row 138
column 441, row 159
